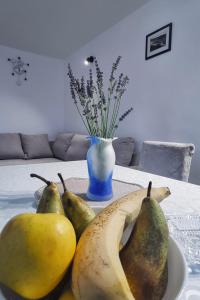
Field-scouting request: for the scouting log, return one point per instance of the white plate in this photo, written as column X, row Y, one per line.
column 177, row 272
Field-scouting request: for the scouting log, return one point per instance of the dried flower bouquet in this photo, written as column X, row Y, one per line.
column 99, row 110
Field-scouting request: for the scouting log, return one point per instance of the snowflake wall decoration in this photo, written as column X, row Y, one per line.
column 19, row 69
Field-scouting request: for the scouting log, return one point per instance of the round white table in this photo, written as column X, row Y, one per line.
column 16, row 180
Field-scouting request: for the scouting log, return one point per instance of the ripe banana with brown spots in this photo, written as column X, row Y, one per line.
column 97, row 272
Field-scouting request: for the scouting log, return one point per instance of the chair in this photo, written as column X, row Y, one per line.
column 167, row 159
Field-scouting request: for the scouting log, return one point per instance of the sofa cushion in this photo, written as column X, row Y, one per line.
column 36, row 146
column 61, row 145
column 124, row 148
column 10, row 146
column 78, row 148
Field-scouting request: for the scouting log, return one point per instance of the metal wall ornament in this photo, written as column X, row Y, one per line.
column 19, row 69
column 89, row 60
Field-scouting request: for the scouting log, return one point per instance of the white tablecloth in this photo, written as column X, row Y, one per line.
column 16, row 183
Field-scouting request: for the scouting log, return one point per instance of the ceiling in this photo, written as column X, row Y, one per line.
column 57, row 28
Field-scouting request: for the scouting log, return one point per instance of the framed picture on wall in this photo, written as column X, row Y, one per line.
column 159, row 41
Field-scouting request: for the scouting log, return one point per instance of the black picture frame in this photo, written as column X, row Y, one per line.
column 158, row 41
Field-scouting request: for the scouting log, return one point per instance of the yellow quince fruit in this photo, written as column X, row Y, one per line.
column 35, row 253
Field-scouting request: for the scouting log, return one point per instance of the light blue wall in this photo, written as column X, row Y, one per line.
column 37, row 105
column 165, row 90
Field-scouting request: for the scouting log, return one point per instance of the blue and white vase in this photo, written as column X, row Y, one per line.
column 101, row 161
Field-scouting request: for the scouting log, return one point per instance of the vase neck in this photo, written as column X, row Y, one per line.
column 93, row 139
column 99, row 140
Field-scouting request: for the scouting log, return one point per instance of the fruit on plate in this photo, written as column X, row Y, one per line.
column 144, row 257
column 50, row 201
column 97, row 270
column 35, row 253
column 76, row 209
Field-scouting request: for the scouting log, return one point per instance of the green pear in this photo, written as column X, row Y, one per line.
column 144, row 257
column 76, row 209
column 50, row 201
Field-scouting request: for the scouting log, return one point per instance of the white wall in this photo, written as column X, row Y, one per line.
column 165, row 90
column 37, row 105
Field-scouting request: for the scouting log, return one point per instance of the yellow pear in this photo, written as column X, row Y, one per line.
column 50, row 201
column 76, row 209
column 35, row 253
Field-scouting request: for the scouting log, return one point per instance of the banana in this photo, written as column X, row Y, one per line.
column 97, row 272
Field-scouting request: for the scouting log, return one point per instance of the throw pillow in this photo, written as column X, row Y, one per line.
column 10, row 146
column 78, row 148
column 61, row 145
column 124, row 148
column 36, row 146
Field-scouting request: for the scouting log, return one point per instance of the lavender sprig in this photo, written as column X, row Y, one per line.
column 98, row 112
column 125, row 114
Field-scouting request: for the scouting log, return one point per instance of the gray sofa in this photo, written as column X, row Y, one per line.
column 20, row 149
column 162, row 158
